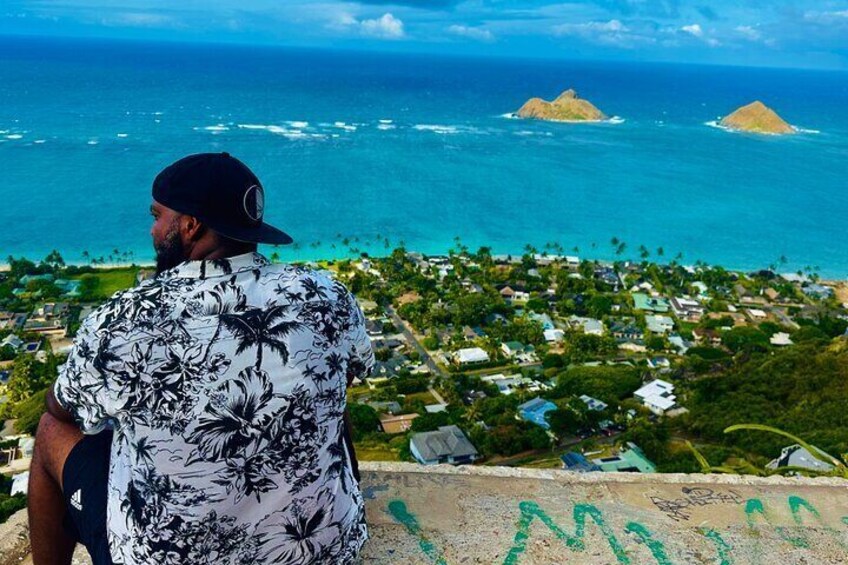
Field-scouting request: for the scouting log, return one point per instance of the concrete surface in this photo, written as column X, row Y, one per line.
column 506, row 516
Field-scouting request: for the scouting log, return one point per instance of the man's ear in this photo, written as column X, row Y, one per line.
column 193, row 229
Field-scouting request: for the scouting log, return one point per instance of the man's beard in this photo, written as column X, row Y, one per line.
column 170, row 252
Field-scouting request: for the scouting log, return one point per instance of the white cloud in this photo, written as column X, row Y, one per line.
column 477, row 33
column 693, row 29
column 140, row 19
column 385, row 27
column 826, row 17
column 748, row 32
column 611, row 32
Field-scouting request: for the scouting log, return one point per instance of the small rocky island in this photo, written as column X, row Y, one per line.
column 756, row 117
column 567, row 107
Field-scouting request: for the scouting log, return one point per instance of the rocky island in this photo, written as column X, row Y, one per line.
column 567, row 107
column 756, row 117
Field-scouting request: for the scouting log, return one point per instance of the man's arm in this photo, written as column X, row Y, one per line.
column 56, row 410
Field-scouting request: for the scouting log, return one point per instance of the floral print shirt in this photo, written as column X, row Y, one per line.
column 224, row 382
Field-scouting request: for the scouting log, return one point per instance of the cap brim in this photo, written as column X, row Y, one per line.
column 262, row 233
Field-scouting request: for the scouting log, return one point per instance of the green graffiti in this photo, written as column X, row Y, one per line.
column 755, row 506
column 530, row 511
column 795, row 505
column 722, row 547
column 398, row 510
column 845, row 520
column 656, row 547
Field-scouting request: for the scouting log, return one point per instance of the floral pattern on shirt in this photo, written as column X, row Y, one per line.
column 224, row 382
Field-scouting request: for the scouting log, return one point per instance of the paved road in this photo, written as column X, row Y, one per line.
column 410, row 337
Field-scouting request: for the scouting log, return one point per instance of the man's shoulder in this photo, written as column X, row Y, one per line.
column 307, row 282
column 115, row 307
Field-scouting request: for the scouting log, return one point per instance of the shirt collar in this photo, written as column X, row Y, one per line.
column 206, row 268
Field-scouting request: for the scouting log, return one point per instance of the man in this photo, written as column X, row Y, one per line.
column 199, row 416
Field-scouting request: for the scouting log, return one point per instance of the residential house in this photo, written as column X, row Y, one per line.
column 659, row 363
column 469, row 397
column 397, row 424
column 626, row 330
column 607, row 275
column 593, row 403
column 544, row 319
column 507, row 384
column 687, row 308
column 797, row 456
column 756, row 314
column 471, row 356
column 374, row 328
column 780, row 339
column 680, row 344
column 659, row 324
column 69, row 287
column 12, row 341
column 392, row 407
column 534, row 411
column 657, row 396
column 707, row 336
column 519, row 352
column 587, row 325
column 629, row 460
column 577, row 462
column 554, row 335
column 814, row 290
column 446, row 445
column 512, row 348
column 649, row 303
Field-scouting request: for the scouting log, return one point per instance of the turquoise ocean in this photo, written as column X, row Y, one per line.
column 358, row 148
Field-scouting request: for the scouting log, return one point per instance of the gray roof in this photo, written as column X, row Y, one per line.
column 797, row 456
column 448, row 441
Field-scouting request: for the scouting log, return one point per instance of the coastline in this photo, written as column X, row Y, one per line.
column 824, row 279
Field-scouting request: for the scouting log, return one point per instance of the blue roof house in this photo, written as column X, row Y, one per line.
column 534, row 411
column 577, row 462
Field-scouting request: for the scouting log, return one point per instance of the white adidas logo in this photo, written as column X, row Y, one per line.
column 76, row 499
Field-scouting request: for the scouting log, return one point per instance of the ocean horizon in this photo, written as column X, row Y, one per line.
column 360, row 152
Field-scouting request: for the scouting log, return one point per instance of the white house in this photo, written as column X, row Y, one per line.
column 507, row 384
column 780, row 339
column 554, row 336
column 659, row 324
column 686, row 308
column 588, row 325
column 757, row 313
column 471, row 355
column 657, row 396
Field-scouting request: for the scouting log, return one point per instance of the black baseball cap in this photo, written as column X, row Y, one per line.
column 220, row 191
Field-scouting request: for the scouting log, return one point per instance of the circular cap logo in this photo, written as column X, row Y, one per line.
column 254, row 202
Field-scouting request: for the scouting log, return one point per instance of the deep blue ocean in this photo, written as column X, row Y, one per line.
column 366, row 147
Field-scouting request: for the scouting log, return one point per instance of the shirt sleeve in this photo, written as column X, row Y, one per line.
column 361, row 361
column 86, row 387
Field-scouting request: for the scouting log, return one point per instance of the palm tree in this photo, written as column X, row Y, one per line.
column 312, row 289
column 261, row 328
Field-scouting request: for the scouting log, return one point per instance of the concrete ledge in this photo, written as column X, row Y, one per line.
column 500, row 515
column 445, row 515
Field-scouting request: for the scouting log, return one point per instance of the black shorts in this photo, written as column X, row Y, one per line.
column 85, row 479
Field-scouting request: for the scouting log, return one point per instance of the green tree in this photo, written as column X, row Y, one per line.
column 745, row 338
column 29, row 412
column 28, row 376
column 363, row 420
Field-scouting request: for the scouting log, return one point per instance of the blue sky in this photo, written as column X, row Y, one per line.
column 786, row 33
